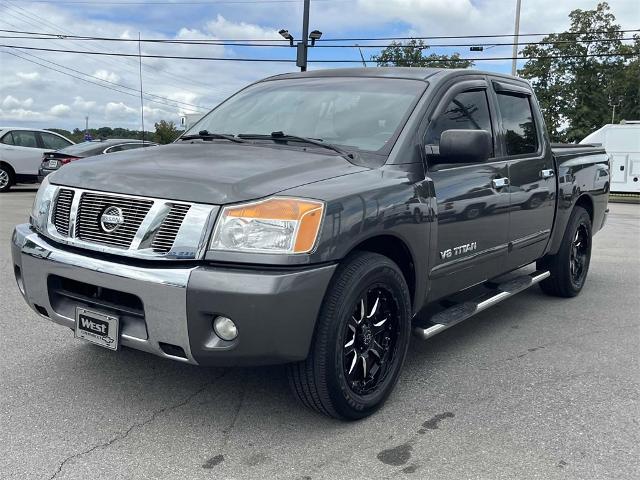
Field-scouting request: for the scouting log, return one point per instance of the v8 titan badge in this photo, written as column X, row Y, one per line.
column 98, row 328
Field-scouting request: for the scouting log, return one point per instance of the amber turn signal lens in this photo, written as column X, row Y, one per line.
column 280, row 225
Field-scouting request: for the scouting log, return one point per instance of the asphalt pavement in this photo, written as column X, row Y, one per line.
column 536, row 388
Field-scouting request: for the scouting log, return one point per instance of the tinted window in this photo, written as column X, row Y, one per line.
column 361, row 112
column 53, row 142
column 23, row 138
column 517, row 124
column 467, row 111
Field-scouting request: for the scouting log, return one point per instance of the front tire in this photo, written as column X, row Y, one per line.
column 361, row 340
column 569, row 267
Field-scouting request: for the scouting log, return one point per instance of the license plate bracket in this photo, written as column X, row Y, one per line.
column 97, row 327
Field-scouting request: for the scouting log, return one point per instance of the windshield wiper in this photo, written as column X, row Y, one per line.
column 283, row 137
column 205, row 134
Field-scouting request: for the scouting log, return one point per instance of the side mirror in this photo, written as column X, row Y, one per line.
column 465, row 146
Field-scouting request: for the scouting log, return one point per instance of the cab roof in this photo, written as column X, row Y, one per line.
column 412, row 73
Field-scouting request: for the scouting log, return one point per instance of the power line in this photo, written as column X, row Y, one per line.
column 128, row 62
column 251, row 42
column 283, row 60
column 85, row 80
column 119, row 85
column 504, row 35
column 225, row 43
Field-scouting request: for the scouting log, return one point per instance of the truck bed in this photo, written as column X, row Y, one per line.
column 573, row 149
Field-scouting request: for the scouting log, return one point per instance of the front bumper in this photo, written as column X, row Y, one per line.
column 275, row 311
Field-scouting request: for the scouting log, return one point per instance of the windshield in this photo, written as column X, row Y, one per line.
column 364, row 113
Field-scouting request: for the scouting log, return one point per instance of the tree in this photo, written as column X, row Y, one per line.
column 166, row 132
column 412, row 54
column 580, row 73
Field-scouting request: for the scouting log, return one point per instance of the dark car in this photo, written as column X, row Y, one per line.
column 302, row 222
column 52, row 161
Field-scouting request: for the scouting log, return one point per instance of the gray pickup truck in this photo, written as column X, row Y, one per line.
column 316, row 220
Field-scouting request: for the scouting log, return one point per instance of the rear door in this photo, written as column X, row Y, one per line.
column 532, row 179
column 22, row 151
column 472, row 221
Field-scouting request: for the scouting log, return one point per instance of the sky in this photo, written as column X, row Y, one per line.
column 38, row 88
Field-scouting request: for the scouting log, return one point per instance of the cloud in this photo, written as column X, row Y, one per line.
column 118, row 111
column 107, row 76
column 11, row 102
column 28, row 76
column 225, row 29
column 19, row 114
column 84, row 105
column 60, row 110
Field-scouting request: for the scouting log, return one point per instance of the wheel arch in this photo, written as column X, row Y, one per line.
column 395, row 249
column 585, row 202
column 10, row 169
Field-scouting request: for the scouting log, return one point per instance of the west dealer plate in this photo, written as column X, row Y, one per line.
column 98, row 328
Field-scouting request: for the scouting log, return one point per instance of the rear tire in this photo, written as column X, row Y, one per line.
column 569, row 267
column 6, row 179
column 361, row 340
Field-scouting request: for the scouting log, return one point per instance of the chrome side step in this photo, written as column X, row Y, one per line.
column 462, row 311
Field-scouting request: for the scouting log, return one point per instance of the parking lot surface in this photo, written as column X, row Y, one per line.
column 538, row 387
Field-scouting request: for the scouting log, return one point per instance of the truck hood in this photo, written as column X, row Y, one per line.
column 200, row 172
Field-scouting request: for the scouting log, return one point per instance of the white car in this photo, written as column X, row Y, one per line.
column 21, row 151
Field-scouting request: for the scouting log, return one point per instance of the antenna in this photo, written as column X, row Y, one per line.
column 141, row 98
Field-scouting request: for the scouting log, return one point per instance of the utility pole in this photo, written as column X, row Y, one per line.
column 614, row 104
column 303, row 46
column 514, row 62
column 141, row 98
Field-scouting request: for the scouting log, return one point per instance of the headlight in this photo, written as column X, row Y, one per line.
column 275, row 225
column 42, row 205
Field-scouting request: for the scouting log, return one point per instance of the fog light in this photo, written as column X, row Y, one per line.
column 225, row 328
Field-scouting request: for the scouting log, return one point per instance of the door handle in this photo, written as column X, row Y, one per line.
column 547, row 173
column 500, row 182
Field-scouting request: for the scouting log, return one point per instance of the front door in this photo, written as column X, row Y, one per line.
column 532, row 186
column 472, row 225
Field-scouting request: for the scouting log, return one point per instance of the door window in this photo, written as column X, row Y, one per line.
column 23, row 138
column 53, row 142
column 519, row 129
column 466, row 111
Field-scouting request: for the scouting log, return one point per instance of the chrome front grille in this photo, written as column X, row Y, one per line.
column 93, row 205
column 126, row 225
column 62, row 211
column 166, row 235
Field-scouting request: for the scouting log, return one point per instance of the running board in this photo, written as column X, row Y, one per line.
column 462, row 311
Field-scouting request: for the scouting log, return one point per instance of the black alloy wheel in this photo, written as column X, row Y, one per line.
column 372, row 334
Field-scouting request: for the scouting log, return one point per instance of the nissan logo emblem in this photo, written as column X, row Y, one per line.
column 111, row 219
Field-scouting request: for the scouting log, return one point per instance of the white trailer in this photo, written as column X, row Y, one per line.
column 622, row 143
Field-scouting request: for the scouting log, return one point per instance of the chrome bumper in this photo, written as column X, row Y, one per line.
column 275, row 311
column 163, row 291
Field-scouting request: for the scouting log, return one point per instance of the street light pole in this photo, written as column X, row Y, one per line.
column 303, row 47
column 514, row 62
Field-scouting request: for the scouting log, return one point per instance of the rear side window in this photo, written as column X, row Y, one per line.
column 466, row 111
column 7, row 139
column 23, row 138
column 53, row 142
column 517, row 124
